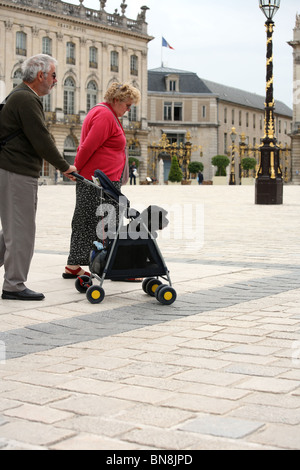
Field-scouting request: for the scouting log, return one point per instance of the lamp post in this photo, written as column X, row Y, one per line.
column 233, row 136
column 269, row 183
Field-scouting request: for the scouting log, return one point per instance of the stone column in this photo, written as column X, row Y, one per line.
column 295, row 136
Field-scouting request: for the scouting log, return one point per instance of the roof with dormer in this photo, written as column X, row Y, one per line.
column 190, row 83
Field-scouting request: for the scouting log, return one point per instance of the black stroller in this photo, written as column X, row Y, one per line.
column 129, row 251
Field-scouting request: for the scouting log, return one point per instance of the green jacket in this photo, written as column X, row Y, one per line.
column 24, row 154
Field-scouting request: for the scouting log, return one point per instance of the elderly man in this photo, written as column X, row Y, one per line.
column 21, row 161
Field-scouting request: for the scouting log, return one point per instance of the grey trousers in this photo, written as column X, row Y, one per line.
column 18, row 203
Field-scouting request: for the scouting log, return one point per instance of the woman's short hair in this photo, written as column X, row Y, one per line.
column 122, row 92
column 35, row 64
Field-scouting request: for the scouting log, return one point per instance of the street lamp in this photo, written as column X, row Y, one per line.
column 233, row 136
column 269, row 183
column 269, row 7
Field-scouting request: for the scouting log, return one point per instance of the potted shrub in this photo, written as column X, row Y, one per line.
column 248, row 164
column 194, row 168
column 175, row 175
column 221, row 162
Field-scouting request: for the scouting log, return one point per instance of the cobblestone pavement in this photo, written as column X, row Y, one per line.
column 218, row 369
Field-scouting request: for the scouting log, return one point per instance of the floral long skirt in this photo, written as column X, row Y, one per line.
column 88, row 224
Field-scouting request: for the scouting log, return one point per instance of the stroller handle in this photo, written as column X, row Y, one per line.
column 77, row 176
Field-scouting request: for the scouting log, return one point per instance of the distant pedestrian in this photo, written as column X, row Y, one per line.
column 132, row 173
column 200, row 177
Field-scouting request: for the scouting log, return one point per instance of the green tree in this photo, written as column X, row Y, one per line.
column 134, row 159
column 195, row 167
column 221, row 162
column 175, row 175
column 248, row 164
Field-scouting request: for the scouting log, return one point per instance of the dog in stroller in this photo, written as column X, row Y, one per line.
column 128, row 251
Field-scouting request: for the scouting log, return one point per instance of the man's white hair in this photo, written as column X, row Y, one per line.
column 35, row 64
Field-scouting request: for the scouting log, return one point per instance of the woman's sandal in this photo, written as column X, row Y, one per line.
column 74, row 273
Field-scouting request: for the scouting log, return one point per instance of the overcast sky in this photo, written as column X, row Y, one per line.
column 220, row 40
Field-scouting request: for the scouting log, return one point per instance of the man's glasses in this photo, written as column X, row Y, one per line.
column 53, row 75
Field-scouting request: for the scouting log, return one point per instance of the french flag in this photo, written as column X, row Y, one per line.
column 166, row 44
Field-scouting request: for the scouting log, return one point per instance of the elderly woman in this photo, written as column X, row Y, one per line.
column 102, row 147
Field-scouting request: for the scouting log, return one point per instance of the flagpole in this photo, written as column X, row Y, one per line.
column 164, row 43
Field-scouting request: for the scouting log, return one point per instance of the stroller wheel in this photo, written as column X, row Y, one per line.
column 82, row 284
column 151, row 286
column 166, row 295
column 95, row 294
column 158, row 289
column 145, row 282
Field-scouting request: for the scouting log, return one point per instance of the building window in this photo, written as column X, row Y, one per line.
column 225, row 142
column 71, row 53
column 254, row 121
column 47, row 46
column 247, row 119
column 45, row 169
column 21, row 48
column 168, row 111
column 134, row 65
column 91, row 97
column 177, row 111
column 114, row 61
column 17, row 79
column 173, row 111
column 225, row 115
column 132, row 115
column 261, row 123
column 70, row 150
column 69, row 96
column 134, row 149
column 93, row 59
column 46, row 100
column 240, row 118
column 172, row 85
column 176, row 139
column 204, row 112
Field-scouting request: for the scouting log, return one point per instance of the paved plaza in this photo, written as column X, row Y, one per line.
column 218, row 369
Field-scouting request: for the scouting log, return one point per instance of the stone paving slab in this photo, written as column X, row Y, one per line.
column 219, row 369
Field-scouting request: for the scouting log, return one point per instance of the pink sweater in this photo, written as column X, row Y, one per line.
column 102, row 144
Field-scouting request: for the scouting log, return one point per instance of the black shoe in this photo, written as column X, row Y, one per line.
column 25, row 294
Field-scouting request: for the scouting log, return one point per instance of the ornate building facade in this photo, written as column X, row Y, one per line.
column 180, row 103
column 295, row 44
column 93, row 48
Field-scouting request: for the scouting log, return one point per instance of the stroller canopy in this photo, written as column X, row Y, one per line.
column 108, row 187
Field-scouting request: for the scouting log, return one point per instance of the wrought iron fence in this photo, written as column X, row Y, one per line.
column 245, row 151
